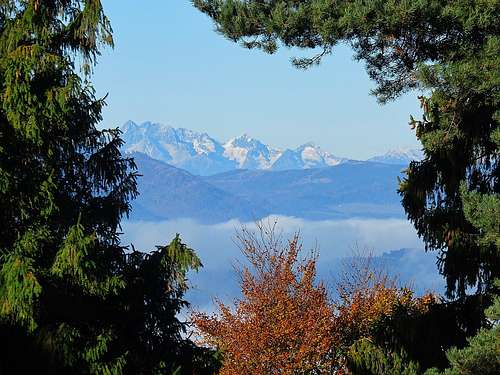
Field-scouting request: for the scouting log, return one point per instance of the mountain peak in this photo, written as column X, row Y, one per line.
column 401, row 155
column 128, row 126
column 249, row 153
column 245, row 137
column 200, row 154
column 243, row 140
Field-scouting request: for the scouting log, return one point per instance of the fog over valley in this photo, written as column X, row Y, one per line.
column 392, row 241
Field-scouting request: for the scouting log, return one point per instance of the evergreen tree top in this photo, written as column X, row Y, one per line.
column 392, row 37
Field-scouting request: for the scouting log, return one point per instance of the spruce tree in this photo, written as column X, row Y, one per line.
column 481, row 355
column 450, row 49
column 64, row 185
column 72, row 300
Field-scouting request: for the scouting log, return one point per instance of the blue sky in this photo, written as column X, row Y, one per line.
column 170, row 66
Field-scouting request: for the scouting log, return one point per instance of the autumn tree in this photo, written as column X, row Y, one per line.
column 384, row 328
column 367, row 298
column 286, row 324
column 366, row 293
column 283, row 324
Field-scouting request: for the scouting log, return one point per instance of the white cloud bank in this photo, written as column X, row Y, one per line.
column 334, row 239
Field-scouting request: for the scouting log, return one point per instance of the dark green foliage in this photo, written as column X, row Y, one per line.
column 71, row 299
column 482, row 355
column 483, row 211
column 424, row 336
column 448, row 48
column 365, row 358
column 64, row 185
column 156, row 283
column 411, row 338
column 461, row 161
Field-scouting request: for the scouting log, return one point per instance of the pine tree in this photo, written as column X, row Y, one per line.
column 448, row 48
column 71, row 299
column 481, row 356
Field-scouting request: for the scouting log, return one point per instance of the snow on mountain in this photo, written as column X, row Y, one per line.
column 250, row 153
column 200, row 154
column 306, row 156
column 401, row 156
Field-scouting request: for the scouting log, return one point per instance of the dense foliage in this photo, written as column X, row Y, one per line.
column 283, row 322
column 450, row 51
column 72, row 300
column 448, row 48
column 481, row 355
column 385, row 329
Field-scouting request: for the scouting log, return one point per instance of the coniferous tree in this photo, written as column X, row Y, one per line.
column 150, row 329
column 448, row 48
column 71, row 299
column 451, row 51
column 481, row 356
column 64, row 185
column 366, row 358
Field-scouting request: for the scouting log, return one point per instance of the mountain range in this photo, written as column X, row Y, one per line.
column 186, row 174
column 202, row 155
column 351, row 189
column 168, row 192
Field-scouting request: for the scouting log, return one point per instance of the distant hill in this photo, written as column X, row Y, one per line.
column 355, row 189
column 167, row 192
column 352, row 189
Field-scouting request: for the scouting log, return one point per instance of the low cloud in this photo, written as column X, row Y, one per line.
column 334, row 239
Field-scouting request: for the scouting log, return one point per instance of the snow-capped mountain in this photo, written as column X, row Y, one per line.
column 250, row 153
column 306, row 156
column 200, row 154
column 195, row 152
column 401, row 156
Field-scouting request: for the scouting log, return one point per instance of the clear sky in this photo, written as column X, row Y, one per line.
column 170, row 66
